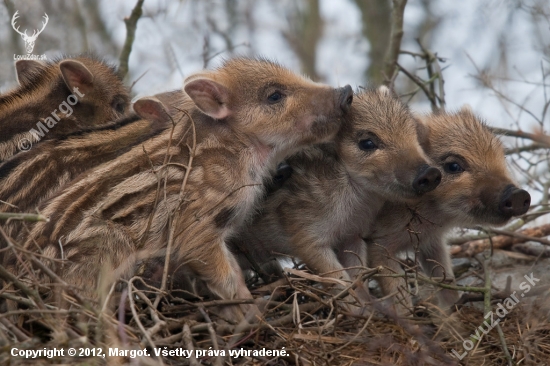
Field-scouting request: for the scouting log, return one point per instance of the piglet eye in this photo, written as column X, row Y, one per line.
column 453, row 168
column 118, row 106
column 275, row 97
column 367, row 145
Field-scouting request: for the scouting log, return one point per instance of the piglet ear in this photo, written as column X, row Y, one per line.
column 385, row 91
column 76, row 75
column 151, row 108
column 26, row 70
column 466, row 108
column 210, row 96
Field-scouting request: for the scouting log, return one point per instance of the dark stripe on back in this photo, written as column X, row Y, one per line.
column 124, row 121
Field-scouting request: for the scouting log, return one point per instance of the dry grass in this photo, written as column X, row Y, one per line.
column 310, row 322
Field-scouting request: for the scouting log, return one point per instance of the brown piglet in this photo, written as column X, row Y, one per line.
column 476, row 189
column 57, row 98
column 184, row 192
column 327, row 204
column 26, row 180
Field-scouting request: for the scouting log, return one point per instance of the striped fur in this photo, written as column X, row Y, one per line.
column 26, row 178
column 463, row 199
column 330, row 200
column 135, row 204
column 44, row 87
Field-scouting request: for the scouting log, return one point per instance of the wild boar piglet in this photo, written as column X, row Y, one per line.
column 191, row 187
column 476, row 189
column 327, row 204
column 26, row 180
column 56, row 98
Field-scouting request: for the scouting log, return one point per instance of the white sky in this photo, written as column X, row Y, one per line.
column 169, row 46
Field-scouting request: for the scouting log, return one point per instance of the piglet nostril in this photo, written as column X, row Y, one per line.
column 514, row 202
column 427, row 180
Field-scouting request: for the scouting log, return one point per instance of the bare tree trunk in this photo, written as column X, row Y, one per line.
column 95, row 24
column 376, row 15
column 394, row 48
column 303, row 35
column 424, row 33
column 426, row 28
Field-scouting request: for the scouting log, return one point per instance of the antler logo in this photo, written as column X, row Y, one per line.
column 29, row 40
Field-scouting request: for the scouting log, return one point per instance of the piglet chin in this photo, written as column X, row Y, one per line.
column 324, row 128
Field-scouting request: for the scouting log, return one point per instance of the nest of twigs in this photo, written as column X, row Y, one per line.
column 304, row 323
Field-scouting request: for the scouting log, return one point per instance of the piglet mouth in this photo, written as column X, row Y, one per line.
column 511, row 202
column 488, row 217
column 324, row 127
column 330, row 116
column 400, row 193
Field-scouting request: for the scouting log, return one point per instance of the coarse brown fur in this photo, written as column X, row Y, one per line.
column 28, row 179
column 321, row 213
column 137, row 203
column 172, row 100
column 44, row 87
column 463, row 199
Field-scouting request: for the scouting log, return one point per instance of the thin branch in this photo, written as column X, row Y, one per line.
column 505, row 239
column 527, row 148
column 136, row 316
column 537, row 137
column 421, row 84
column 433, row 59
column 390, row 71
column 23, row 216
column 131, row 25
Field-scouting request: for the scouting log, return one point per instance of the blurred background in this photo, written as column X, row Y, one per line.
column 493, row 54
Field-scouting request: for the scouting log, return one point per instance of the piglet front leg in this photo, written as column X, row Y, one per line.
column 381, row 256
column 435, row 260
column 219, row 269
column 352, row 254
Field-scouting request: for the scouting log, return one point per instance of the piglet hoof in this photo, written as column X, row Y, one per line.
column 364, row 311
column 232, row 313
column 355, row 306
column 237, row 314
column 396, row 309
column 362, row 307
column 447, row 299
column 252, row 313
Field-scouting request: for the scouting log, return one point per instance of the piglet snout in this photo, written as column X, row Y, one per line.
column 427, row 180
column 345, row 97
column 514, row 201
